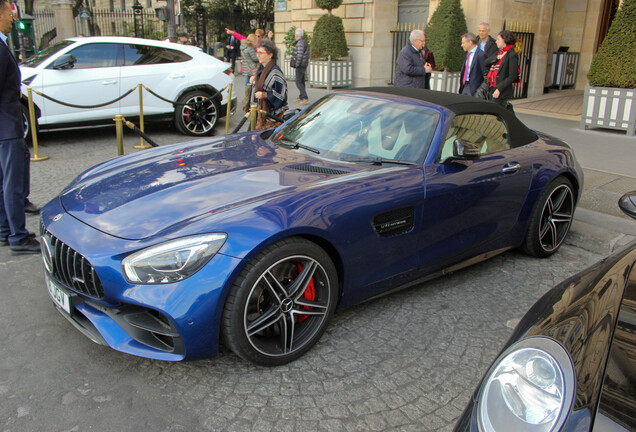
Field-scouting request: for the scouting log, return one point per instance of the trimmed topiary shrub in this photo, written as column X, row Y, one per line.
column 614, row 64
column 444, row 35
column 329, row 35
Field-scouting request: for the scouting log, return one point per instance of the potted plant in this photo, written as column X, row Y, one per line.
column 328, row 68
column 443, row 36
column 610, row 97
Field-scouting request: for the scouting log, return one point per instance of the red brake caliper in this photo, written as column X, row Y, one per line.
column 309, row 294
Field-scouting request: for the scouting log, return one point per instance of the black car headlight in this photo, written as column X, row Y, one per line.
column 172, row 261
column 530, row 387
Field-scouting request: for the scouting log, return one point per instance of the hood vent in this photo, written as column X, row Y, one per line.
column 231, row 143
column 394, row 222
column 318, row 169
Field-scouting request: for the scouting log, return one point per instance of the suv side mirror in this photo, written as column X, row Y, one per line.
column 65, row 61
column 627, row 203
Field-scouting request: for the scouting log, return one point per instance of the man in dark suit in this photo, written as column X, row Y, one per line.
column 486, row 42
column 232, row 49
column 474, row 68
column 12, row 149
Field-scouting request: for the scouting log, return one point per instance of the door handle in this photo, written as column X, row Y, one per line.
column 109, row 82
column 511, row 168
column 177, row 75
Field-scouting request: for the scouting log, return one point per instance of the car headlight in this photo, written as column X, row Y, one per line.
column 529, row 388
column 172, row 261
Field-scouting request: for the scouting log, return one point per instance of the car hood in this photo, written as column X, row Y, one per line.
column 142, row 195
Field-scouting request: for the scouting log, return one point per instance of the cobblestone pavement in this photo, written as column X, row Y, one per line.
column 405, row 362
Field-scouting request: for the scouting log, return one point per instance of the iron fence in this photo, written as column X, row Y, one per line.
column 106, row 22
column 44, row 28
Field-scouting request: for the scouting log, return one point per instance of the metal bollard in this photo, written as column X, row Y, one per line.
column 119, row 131
column 253, row 112
column 34, row 133
column 142, row 144
column 229, row 109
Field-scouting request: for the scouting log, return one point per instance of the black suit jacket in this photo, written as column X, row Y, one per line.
column 491, row 47
column 477, row 72
column 508, row 73
column 235, row 45
column 11, row 126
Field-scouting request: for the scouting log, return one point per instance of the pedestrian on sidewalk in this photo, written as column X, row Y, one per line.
column 13, row 148
column 250, row 66
column 411, row 67
column 474, row 68
column 300, row 61
column 504, row 69
column 270, row 86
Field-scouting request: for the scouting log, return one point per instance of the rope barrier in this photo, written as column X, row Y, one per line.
column 138, row 131
column 85, row 106
column 241, row 123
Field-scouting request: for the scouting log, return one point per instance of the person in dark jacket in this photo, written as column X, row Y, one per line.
column 410, row 68
column 474, row 68
column 486, row 42
column 13, row 232
column 232, row 49
column 300, row 61
column 504, row 69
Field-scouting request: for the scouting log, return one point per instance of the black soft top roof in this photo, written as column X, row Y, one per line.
column 520, row 134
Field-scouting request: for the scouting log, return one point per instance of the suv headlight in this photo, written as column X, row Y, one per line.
column 530, row 387
column 172, row 261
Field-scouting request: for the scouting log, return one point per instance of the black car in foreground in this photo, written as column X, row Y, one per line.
column 570, row 364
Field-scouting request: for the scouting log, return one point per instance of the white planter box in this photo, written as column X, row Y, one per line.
column 330, row 73
column 609, row 107
column 445, row 81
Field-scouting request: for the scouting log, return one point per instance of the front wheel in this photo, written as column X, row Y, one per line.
column 281, row 303
column 196, row 113
column 551, row 219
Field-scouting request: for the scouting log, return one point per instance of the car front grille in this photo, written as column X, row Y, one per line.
column 70, row 267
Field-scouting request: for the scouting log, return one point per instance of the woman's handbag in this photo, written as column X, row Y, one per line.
column 483, row 91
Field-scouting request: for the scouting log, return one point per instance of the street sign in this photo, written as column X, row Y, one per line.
column 15, row 11
column 85, row 14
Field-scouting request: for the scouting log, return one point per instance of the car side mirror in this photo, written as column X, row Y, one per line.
column 65, row 61
column 627, row 204
column 465, row 150
column 290, row 113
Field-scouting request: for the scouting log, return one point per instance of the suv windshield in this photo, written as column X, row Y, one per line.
column 357, row 128
column 38, row 58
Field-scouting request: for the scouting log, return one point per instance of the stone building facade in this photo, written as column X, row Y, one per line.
column 368, row 23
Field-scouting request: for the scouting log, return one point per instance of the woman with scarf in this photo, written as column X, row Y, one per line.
column 270, row 86
column 504, row 69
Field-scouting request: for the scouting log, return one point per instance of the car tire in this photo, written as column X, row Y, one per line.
column 27, row 124
column 196, row 113
column 550, row 220
column 281, row 303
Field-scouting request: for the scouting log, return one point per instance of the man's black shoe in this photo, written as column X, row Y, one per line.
column 31, row 208
column 5, row 241
column 29, row 246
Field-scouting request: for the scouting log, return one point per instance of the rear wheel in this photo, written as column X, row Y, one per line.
column 196, row 113
column 551, row 219
column 281, row 303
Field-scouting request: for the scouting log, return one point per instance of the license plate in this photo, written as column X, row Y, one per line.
column 58, row 296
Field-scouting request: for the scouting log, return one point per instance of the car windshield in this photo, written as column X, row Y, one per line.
column 362, row 129
column 38, row 58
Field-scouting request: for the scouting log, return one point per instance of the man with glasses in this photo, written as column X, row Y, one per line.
column 13, row 231
column 411, row 69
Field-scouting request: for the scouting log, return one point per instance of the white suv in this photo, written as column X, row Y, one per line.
column 89, row 71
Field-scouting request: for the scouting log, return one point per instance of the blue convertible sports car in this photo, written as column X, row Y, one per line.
column 255, row 239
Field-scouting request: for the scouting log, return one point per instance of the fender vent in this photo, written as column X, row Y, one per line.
column 394, row 222
column 318, row 169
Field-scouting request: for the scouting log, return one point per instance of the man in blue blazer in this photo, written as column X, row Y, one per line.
column 13, row 231
column 474, row 69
